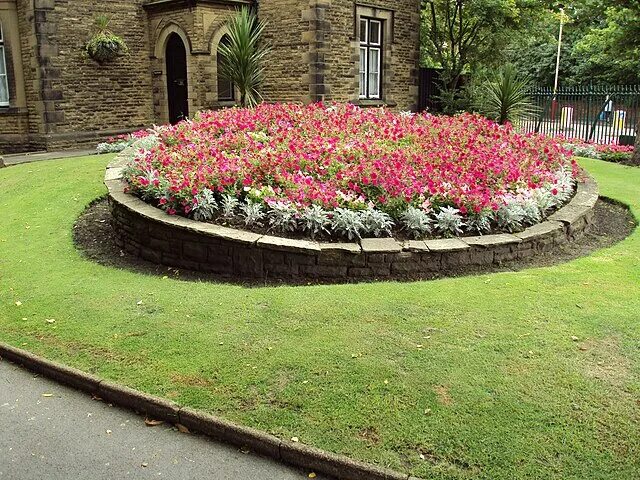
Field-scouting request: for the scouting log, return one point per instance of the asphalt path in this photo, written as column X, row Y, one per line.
column 49, row 431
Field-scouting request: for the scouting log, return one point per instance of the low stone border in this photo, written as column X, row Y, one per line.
column 291, row 453
column 178, row 242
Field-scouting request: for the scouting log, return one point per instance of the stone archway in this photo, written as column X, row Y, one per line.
column 173, row 92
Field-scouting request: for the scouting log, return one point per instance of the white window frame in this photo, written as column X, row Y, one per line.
column 4, row 77
column 367, row 46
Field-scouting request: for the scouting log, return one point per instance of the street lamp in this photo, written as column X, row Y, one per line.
column 554, row 103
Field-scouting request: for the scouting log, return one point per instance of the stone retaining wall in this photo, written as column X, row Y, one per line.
column 151, row 234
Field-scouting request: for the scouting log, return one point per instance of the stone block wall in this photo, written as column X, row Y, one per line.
column 201, row 28
column 14, row 119
column 288, row 35
column 70, row 100
column 401, row 46
column 315, row 50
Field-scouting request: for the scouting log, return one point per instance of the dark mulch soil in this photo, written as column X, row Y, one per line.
column 94, row 236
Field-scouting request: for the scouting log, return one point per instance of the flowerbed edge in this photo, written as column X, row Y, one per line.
column 367, row 258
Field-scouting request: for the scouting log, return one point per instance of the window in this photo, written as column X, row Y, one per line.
column 370, row 58
column 4, row 84
column 226, row 89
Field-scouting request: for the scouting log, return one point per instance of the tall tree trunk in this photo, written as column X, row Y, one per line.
column 635, row 159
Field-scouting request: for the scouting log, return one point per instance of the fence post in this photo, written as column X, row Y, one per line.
column 589, row 99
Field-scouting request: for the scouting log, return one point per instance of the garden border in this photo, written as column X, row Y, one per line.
column 150, row 233
column 288, row 452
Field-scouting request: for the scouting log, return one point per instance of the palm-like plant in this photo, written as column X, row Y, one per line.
column 504, row 97
column 243, row 54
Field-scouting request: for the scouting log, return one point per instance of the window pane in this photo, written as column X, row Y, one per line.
column 374, row 85
column 374, row 33
column 374, row 60
column 363, row 72
column 374, row 72
column 4, row 87
column 226, row 89
column 363, row 31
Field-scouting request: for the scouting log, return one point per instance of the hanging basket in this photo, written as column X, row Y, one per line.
column 106, row 47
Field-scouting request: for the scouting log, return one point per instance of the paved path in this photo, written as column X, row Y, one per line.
column 70, row 436
column 18, row 158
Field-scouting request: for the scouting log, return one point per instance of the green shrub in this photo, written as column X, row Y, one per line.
column 616, row 157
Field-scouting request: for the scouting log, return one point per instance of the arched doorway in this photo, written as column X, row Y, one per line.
column 177, row 83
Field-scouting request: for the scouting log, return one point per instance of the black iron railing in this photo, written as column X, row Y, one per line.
column 600, row 114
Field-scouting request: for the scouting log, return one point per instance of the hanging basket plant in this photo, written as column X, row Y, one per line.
column 105, row 46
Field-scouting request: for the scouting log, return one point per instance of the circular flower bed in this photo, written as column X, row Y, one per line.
column 345, row 172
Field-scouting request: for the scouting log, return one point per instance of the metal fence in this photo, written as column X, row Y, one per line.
column 601, row 114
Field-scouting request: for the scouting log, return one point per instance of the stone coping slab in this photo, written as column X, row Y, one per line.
column 179, row 242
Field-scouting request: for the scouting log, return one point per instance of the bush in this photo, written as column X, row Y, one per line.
column 616, row 157
column 607, row 152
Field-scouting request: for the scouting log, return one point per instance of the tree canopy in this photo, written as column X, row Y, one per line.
column 601, row 39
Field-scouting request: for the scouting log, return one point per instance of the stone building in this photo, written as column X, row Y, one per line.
column 52, row 96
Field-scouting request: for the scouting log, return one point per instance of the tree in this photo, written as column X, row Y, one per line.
column 460, row 33
column 632, row 29
column 600, row 44
column 465, row 36
column 243, row 55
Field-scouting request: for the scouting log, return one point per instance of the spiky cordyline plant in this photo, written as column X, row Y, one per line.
column 504, row 97
column 241, row 58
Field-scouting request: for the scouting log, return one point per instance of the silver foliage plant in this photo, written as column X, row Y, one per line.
column 563, row 186
column 253, row 214
column 229, row 205
column 480, row 223
column 205, row 206
column 417, row 222
column 510, row 216
column 315, row 220
column 283, row 217
column 532, row 212
column 449, row 221
column 347, row 223
column 114, row 147
column 544, row 199
column 376, row 222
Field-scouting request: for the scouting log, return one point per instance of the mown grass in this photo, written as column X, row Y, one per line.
column 498, row 390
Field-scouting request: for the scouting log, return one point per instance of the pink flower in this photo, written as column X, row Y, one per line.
column 307, row 154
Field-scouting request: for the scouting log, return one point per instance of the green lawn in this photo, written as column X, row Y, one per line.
column 499, row 390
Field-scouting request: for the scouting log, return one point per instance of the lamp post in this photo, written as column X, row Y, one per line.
column 554, row 103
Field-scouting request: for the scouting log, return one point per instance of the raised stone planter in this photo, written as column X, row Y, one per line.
column 153, row 235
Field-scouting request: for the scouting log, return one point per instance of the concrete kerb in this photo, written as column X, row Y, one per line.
column 291, row 453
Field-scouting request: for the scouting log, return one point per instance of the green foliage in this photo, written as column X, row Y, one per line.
column 242, row 57
column 601, row 40
column 600, row 43
column 460, row 34
column 616, row 157
column 504, row 96
column 105, row 46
